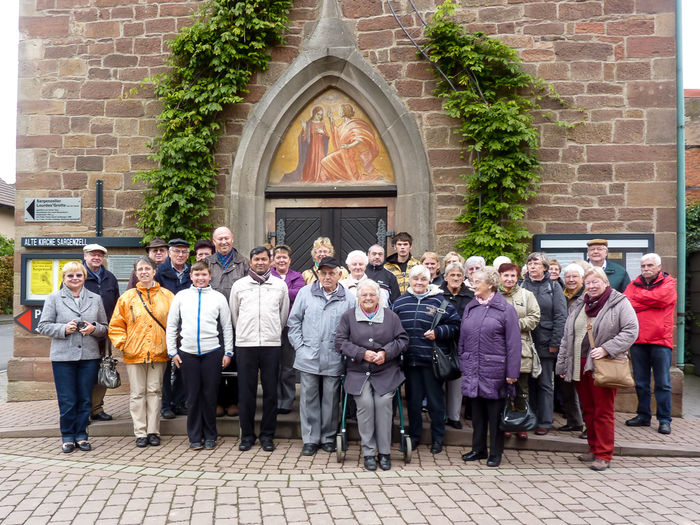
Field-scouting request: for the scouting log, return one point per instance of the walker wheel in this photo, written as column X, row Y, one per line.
column 407, row 449
column 339, row 448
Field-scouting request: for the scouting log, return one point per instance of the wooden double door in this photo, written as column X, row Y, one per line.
column 348, row 229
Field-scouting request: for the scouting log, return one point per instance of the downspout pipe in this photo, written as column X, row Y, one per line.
column 680, row 199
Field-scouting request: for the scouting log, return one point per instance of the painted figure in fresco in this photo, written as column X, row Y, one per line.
column 313, row 146
column 355, row 149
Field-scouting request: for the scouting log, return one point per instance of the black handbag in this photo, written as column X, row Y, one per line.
column 107, row 375
column 445, row 364
column 514, row 421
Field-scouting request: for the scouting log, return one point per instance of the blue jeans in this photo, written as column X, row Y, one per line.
column 74, row 381
column 646, row 357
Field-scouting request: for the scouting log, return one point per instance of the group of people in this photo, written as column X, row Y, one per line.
column 517, row 333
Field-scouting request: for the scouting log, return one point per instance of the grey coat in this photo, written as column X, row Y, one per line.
column 59, row 310
column 615, row 328
column 312, row 324
column 222, row 279
column 357, row 334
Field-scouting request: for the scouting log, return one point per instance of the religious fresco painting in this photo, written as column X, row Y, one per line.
column 331, row 141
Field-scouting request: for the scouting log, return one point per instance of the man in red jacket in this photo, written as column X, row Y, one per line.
column 653, row 296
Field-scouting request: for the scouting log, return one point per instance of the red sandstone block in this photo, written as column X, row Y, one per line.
column 41, row 107
column 618, row 7
column 549, row 213
column 133, row 29
column 96, row 89
column 160, row 25
column 633, row 71
column 177, row 10
column 565, row 227
column 38, row 141
column 537, row 55
column 651, row 94
column 419, row 71
column 90, row 163
column 655, row 6
column 375, row 40
column 409, row 88
column 60, row 51
column 550, row 28
column 597, row 28
column 629, row 153
column 146, row 46
column 362, row 8
column 85, row 107
column 651, row 46
column 44, row 26
column 424, row 104
column 580, row 10
column 126, row 12
column 583, row 51
column 102, row 29
column 19, row 369
column 631, row 27
column 595, row 172
column 74, row 181
column 378, row 23
column 544, row 11
column 445, row 157
column 499, row 14
column 86, row 15
column 32, row 181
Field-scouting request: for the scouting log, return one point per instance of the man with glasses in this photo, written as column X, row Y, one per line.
column 101, row 281
column 174, row 275
column 598, row 256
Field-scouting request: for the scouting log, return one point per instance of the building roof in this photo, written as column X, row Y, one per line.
column 7, row 194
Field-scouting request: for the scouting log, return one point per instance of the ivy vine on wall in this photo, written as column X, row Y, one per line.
column 485, row 89
column 211, row 64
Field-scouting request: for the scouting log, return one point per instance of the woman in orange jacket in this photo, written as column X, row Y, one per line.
column 137, row 328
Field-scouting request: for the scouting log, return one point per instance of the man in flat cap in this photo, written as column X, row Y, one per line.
column 101, row 281
column 598, row 256
column 312, row 324
column 157, row 251
column 174, row 275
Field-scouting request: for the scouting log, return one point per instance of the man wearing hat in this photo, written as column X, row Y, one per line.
column 101, row 281
column 157, row 251
column 598, row 256
column 312, row 324
column 174, row 275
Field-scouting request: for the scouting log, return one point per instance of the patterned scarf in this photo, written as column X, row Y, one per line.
column 595, row 304
column 225, row 260
column 570, row 294
column 260, row 279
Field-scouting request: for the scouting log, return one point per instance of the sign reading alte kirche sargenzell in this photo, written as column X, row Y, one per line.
column 64, row 209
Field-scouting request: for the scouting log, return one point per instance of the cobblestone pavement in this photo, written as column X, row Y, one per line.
column 118, row 483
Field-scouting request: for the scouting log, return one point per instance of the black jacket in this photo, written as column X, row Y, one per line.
column 553, row 309
column 107, row 289
column 385, row 279
column 459, row 301
column 167, row 277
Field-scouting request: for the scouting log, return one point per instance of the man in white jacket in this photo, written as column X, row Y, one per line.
column 259, row 307
column 197, row 314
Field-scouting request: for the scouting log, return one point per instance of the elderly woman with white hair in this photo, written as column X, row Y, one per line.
column 473, row 264
column 417, row 309
column 372, row 339
column 614, row 328
column 357, row 262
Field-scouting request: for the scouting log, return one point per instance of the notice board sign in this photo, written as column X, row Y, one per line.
column 65, row 209
column 41, row 275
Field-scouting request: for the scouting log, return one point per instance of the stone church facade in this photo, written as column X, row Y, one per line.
column 613, row 61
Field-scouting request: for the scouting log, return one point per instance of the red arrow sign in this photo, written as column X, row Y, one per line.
column 29, row 319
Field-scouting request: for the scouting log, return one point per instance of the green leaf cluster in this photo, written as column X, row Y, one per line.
column 482, row 84
column 211, row 64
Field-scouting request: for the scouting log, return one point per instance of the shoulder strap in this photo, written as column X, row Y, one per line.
column 589, row 329
column 438, row 315
column 149, row 312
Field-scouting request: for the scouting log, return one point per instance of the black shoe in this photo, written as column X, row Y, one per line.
column 664, row 428
column 583, row 435
column 153, row 440
column 309, row 449
column 436, row 448
column 284, row 410
column 167, row 413
column 85, row 446
column 67, row 448
column 637, row 421
column 196, row 445
column 246, row 444
column 454, row 424
column 493, row 461
column 101, row 416
column 267, row 445
column 473, row 456
column 142, row 442
column 571, row 428
column 210, row 444
column 370, row 463
column 385, row 461
column 181, row 410
column 328, row 447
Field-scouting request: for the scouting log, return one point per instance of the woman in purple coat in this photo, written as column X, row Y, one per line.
column 489, row 356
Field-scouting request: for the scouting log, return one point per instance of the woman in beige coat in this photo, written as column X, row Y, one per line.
column 614, row 329
column 525, row 304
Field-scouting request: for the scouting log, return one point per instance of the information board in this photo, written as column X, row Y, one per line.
column 64, row 209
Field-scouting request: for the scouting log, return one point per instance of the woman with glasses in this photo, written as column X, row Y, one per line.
column 137, row 329
column 75, row 319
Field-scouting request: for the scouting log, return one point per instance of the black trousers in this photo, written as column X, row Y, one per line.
column 228, row 387
column 173, row 393
column 486, row 413
column 201, row 375
column 266, row 359
column 420, row 383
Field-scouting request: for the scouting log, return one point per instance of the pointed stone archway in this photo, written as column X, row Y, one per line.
column 331, row 60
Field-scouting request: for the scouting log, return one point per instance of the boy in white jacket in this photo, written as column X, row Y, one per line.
column 197, row 314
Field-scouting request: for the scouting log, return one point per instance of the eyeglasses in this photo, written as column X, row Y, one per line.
column 145, row 270
column 180, row 252
column 74, row 275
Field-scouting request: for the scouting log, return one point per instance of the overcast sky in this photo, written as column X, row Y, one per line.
column 8, row 63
